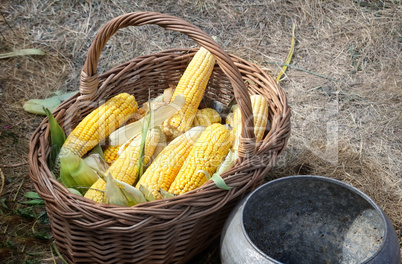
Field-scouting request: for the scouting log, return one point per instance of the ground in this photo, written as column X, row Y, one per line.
column 344, row 88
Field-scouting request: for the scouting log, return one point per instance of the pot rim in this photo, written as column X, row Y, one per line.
column 319, row 178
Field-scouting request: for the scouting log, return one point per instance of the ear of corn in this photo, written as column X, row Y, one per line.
column 125, row 168
column 96, row 126
column 154, row 118
column 111, row 152
column 192, row 85
column 163, row 170
column 206, row 117
column 260, row 112
column 207, row 153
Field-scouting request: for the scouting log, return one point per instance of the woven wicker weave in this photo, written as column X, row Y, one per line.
column 164, row 231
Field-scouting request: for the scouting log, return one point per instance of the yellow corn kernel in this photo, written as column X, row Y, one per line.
column 260, row 112
column 206, row 117
column 207, row 153
column 96, row 126
column 125, row 168
column 163, row 170
column 192, row 85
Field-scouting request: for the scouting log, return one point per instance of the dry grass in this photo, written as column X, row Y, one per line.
column 348, row 127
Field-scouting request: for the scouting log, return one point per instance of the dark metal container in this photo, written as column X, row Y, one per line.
column 308, row 219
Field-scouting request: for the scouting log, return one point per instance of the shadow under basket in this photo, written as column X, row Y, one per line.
column 173, row 230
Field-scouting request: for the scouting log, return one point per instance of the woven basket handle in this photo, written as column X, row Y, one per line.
column 89, row 79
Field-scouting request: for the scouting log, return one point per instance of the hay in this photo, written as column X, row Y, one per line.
column 349, row 129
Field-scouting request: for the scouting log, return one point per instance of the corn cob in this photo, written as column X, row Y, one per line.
column 192, row 85
column 125, row 168
column 260, row 112
column 96, row 126
column 163, row 170
column 207, row 153
column 206, row 117
column 111, row 152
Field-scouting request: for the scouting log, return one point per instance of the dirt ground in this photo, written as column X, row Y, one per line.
column 344, row 88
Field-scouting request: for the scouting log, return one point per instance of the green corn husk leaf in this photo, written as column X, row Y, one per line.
column 147, row 193
column 57, row 138
column 217, row 179
column 98, row 150
column 96, row 162
column 165, row 194
column 133, row 195
column 75, row 172
column 35, row 106
column 74, row 191
column 219, row 182
column 127, row 132
column 227, row 163
column 113, row 192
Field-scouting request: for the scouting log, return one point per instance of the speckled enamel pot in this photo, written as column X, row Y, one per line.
column 308, row 219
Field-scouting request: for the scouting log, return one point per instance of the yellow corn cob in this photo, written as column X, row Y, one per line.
column 110, row 152
column 206, row 117
column 137, row 115
column 125, row 168
column 163, row 170
column 260, row 113
column 207, row 153
column 96, row 126
column 192, row 85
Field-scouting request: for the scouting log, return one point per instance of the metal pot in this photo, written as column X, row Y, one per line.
column 308, row 219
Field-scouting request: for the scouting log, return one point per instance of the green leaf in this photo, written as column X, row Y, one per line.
column 33, row 202
column 96, row 162
column 227, row 163
column 97, row 150
column 219, row 182
column 32, row 195
column 165, row 194
column 35, row 106
column 57, row 138
column 74, row 191
column 133, row 195
column 140, row 163
column 27, row 212
column 113, row 193
column 75, row 172
column 147, row 193
column 45, row 236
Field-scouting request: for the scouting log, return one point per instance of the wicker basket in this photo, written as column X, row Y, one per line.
column 164, row 231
